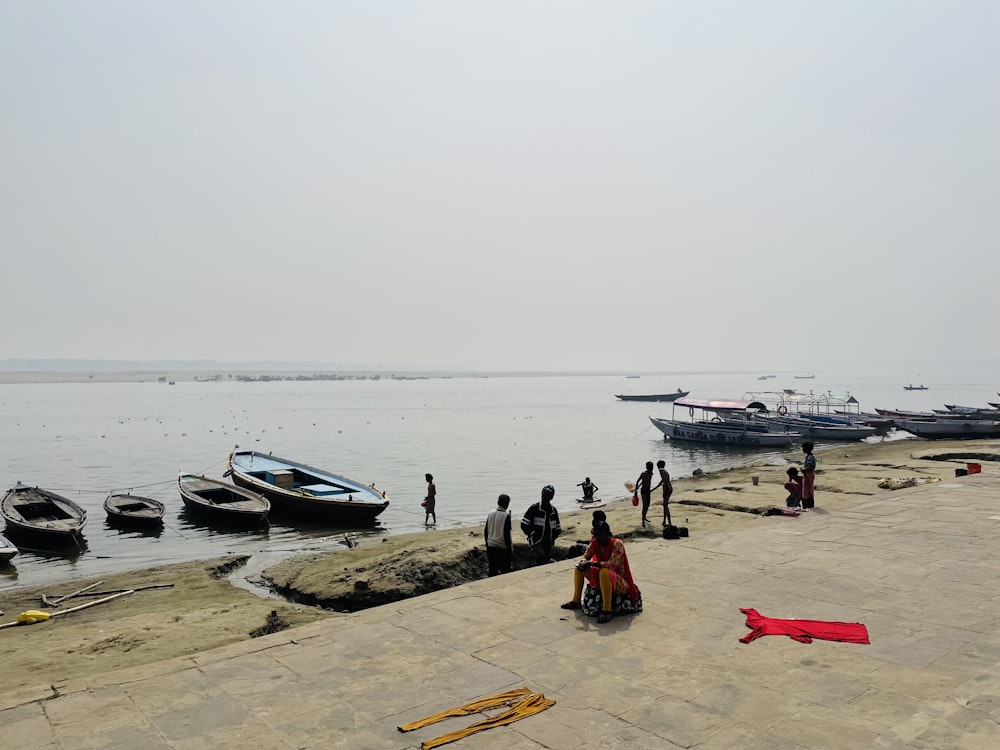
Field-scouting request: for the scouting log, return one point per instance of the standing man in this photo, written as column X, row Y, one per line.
column 642, row 485
column 589, row 488
column 668, row 490
column 808, row 477
column 541, row 525
column 430, row 502
column 499, row 546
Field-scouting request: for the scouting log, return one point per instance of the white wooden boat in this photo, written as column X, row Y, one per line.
column 820, row 428
column 296, row 488
column 7, row 550
column 736, row 429
column 42, row 513
column 222, row 501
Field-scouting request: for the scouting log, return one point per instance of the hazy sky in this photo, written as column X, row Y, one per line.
column 502, row 185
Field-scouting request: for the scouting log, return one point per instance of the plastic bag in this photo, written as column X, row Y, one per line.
column 423, row 503
column 635, row 499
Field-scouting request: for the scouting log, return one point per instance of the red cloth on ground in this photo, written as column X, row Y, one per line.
column 803, row 630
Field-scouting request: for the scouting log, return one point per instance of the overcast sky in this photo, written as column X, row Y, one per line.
column 503, row 185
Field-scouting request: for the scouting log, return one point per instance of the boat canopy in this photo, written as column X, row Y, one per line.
column 720, row 405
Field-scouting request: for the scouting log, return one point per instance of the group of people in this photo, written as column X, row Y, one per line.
column 540, row 525
column 604, row 567
column 801, row 487
column 645, row 491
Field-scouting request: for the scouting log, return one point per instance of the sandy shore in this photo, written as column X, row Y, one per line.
column 194, row 607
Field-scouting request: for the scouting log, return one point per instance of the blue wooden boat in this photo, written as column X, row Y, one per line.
column 296, row 488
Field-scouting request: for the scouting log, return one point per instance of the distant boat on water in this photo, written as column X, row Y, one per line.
column 912, row 387
column 632, row 377
column 653, row 396
column 805, row 377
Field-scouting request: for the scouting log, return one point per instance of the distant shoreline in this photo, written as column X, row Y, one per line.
column 162, row 377
column 232, row 375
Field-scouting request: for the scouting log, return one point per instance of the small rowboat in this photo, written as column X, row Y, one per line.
column 134, row 510
column 41, row 513
column 7, row 550
column 222, row 501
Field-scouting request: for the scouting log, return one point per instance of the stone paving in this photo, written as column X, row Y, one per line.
column 919, row 567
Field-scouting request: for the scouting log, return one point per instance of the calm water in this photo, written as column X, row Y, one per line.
column 478, row 436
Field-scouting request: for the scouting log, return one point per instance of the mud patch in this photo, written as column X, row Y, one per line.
column 274, row 623
column 962, row 457
column 119, row 643
column 228, row 566
column 723, row 506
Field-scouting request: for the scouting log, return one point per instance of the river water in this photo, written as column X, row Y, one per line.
column 478, row 436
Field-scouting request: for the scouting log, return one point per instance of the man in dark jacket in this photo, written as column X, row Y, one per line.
column 541, row 525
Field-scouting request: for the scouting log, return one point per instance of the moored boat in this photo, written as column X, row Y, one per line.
column 951, row 429
column 7, row 550
column 822, row 428
column 297, row 488
column 42, row 513
column 222, row 501
column 732, row 424
column 134, row 510
column 664, row 397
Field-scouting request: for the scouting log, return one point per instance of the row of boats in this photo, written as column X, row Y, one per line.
column 260, row 483
column 789, row 419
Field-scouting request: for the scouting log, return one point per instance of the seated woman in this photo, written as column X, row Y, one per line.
column 605, row 568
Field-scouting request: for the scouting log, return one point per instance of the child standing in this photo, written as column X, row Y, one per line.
column 808, row 476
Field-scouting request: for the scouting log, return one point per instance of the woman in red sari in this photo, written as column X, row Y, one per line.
column 605, row 566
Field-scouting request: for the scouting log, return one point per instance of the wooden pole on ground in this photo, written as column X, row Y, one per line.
column 74, row 609
column 55, row 602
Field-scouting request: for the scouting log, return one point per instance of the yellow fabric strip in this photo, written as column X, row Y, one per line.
column 475, row 707
column 529, row 706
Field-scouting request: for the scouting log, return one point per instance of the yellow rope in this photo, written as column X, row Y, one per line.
column 521, row 703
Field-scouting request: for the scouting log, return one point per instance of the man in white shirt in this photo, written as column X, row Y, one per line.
column 499, row 547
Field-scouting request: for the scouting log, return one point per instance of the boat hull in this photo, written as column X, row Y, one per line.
column 820, row 431
column 224, row 502
column 722, row 434
column 44, row 515
column 951, row 429
column 314, row 493
column 7, row 550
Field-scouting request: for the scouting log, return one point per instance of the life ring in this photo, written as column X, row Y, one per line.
column 691, row 412
column 716, row 419
column 782, row 410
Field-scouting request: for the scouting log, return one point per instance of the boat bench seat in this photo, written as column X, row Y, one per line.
column 323, row 490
